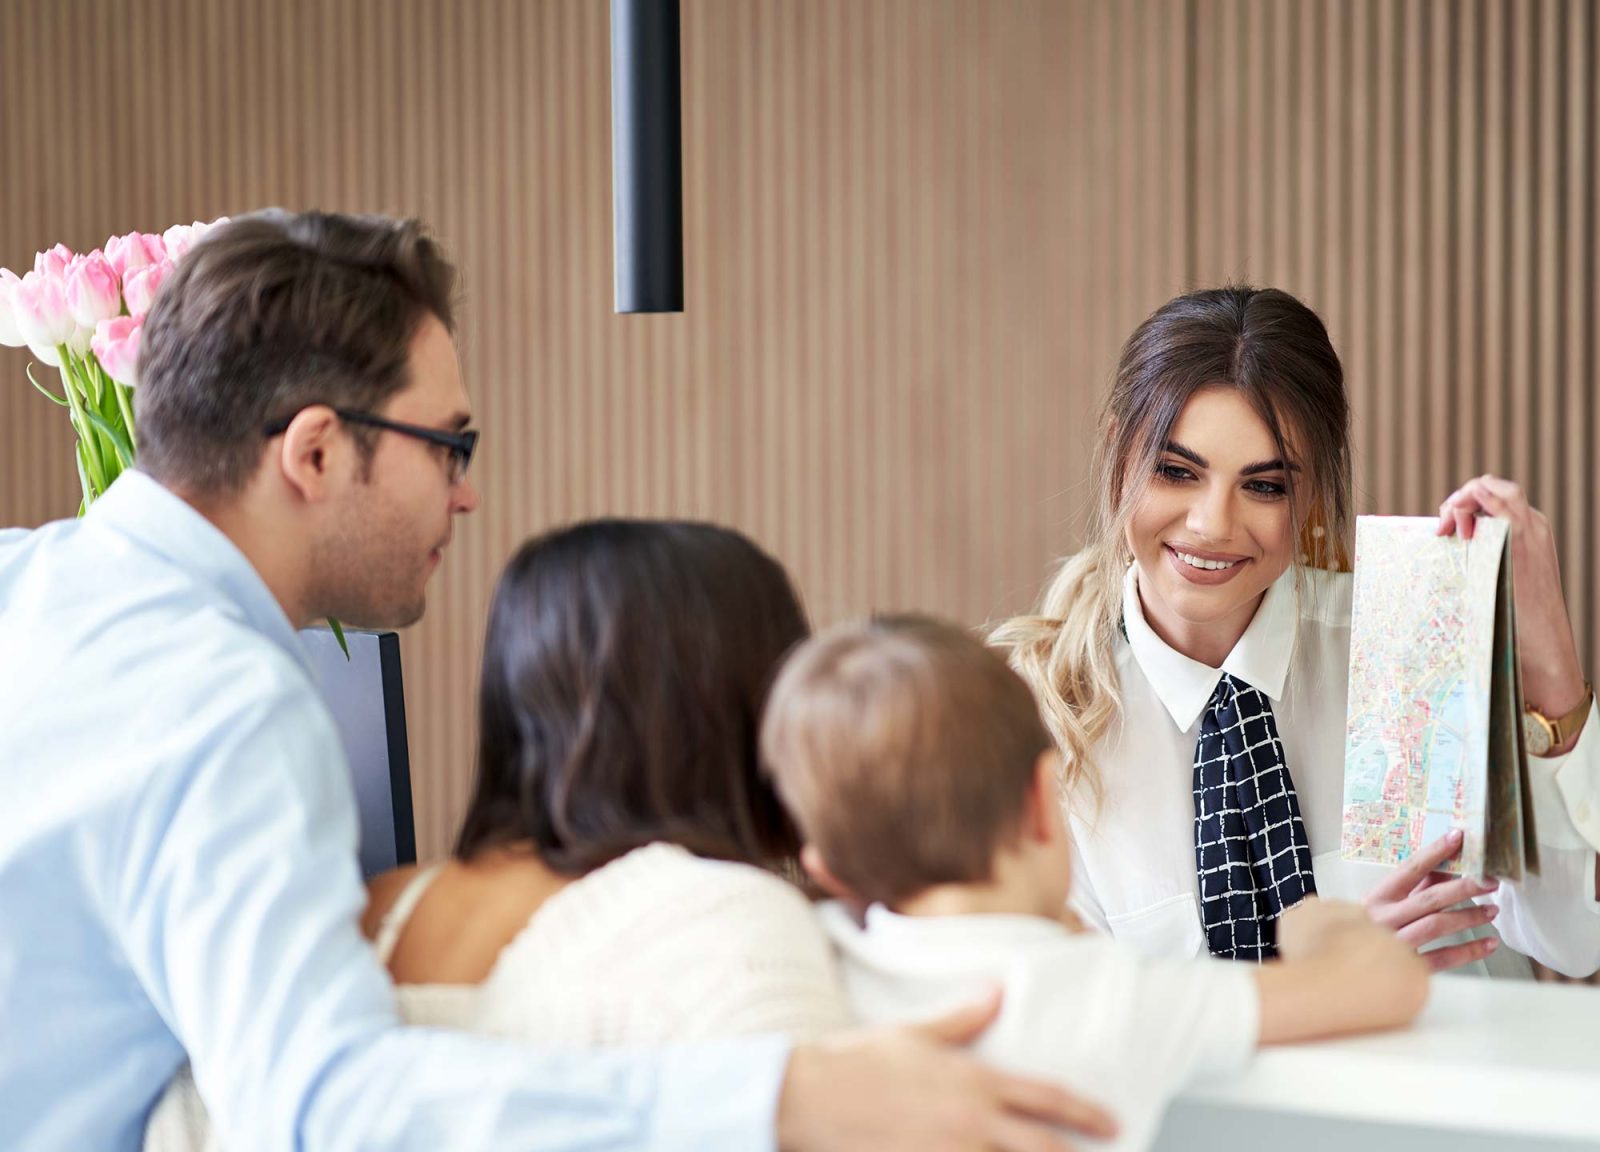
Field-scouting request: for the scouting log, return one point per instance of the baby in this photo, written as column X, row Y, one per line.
column 925, row 785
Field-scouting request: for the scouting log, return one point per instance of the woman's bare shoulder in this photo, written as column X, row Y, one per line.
column 382, row 891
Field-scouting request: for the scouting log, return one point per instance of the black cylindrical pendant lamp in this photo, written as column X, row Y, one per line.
column 647, row 155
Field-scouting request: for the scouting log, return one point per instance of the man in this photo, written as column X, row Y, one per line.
column 177, row 838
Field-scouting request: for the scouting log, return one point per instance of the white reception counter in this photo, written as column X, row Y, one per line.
column 1489, row 1065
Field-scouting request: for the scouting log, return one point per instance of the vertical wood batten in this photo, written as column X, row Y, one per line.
column 1441, row 326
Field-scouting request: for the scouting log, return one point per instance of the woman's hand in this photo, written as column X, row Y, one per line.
column 1552, row 676
column 1418, row 905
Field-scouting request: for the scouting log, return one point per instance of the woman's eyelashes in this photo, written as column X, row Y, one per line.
column 1171, row 473
column 1267, row 489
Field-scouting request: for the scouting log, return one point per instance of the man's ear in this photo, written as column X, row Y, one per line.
column 1042, row 817
column 817, row 868
column 304, row 457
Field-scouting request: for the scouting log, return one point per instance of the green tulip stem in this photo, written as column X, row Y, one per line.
column 124, row 402
column 93, row 474
column 83, row 477
column 87, row 371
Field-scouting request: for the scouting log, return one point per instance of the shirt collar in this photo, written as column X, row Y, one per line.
column 1260, row 658
column 140, row 508
column 893, row 940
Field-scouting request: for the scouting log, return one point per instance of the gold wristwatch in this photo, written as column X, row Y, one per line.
column 1541, row 733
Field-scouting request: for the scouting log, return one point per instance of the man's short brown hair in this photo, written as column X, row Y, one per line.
column 905, row 750
column 269, row 314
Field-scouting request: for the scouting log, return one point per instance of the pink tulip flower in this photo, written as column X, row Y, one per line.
column 179, row 239
column 128, row 253
column 53, row 261
column 141, row 285
column 39, row 305
column 116, row 346
column 182, row 237
column 10, row 333
column 92, row 292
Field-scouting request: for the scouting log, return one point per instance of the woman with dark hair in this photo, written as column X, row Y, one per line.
column 1192, row 662
column 618, row 877
column 618, row 880
column 624, row 671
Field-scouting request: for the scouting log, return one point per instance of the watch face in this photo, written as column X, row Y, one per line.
column 1535, row 735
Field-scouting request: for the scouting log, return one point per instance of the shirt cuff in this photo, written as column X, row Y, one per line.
column 1566, row 792
column 721, row 1095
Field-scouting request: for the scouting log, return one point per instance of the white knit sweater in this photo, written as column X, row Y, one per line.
column 657, row 947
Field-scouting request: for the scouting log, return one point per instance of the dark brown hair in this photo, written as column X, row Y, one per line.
column 905, row 749
column 268, row 314
column 624, row 673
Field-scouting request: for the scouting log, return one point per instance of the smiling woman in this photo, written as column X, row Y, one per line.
column 1211, row 533
column 1192, row 661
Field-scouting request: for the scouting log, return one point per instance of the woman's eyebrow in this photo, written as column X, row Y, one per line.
column 1188, row 454
column 1268, row 466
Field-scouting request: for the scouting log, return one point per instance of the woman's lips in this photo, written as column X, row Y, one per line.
column 1209, row 577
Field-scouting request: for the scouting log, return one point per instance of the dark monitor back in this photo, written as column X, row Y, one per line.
column 367, row 700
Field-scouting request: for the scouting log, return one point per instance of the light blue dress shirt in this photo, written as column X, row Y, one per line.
column 178, row 873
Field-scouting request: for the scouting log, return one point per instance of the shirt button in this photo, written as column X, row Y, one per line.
column 1583, row 811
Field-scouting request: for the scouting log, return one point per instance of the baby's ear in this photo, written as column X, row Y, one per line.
column 1044, row 817
column 817, row 868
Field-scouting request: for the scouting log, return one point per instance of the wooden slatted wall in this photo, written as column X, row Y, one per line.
column 917, row 233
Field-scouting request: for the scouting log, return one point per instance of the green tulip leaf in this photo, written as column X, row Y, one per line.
column 118, row 438
column 43, row 391
column 338, row 634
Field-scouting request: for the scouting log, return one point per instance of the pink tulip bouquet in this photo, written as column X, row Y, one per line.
column 82, row 315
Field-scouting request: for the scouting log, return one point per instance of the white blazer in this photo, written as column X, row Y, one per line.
column 1135, row 868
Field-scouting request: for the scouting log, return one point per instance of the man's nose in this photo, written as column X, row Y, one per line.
column 466, row 497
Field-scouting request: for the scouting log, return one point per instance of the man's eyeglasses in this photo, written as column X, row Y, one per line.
column 461, row 444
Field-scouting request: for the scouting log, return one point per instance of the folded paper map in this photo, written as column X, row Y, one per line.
column 1433, row 735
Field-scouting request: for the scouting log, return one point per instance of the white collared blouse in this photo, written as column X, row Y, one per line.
column 1134, row 853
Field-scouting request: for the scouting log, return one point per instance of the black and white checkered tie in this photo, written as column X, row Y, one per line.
column 1249, row 842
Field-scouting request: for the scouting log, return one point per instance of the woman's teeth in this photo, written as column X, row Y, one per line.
column 1208, row 565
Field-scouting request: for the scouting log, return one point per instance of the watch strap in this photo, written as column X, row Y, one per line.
column 1562, row 727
